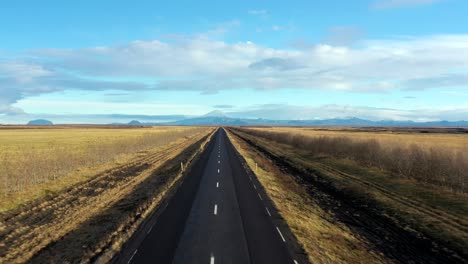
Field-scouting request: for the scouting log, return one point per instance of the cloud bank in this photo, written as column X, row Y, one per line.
column 385, row 4
column 206, row 65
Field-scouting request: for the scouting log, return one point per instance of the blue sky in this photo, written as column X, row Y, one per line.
column 84, row 61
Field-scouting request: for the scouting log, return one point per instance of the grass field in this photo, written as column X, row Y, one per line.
column 34, row 162
column 341, row 210
column 456, row 142
column 435, row 158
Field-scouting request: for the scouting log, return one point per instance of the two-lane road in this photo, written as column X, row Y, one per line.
column 217, row 215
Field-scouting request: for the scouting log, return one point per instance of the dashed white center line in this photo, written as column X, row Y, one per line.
column 259, row 196
column 282, row 237
column 217, row 184
column 254, row 186
column 130, row 260
column 219, row 161
column 268, row 211
column 215, row 209
column 212, row 259
column 218, row 170
column 295, row 262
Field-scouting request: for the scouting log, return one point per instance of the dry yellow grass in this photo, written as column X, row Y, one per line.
column 435, row 158
column 450, row 141
column 34, row 162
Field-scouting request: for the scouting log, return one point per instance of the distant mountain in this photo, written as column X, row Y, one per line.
column 210, row 121
column 220, row 118
column 215, row 113
column 41, row 122
column 135, row 123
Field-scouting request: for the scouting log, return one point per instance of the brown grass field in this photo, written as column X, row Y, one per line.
column 344, row 212
column 437, row 158
column 89, row 216
column 39, row 160
column 455, row 140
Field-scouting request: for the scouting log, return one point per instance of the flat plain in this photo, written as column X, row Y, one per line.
column 38, row 160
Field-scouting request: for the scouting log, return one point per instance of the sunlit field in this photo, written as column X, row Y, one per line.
column 32, row 157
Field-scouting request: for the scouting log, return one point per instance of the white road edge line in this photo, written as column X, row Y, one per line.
column 295, row 262
column 259, row 196
column 130, row 260
column 215, row 209
column 217, row 184
column 282, row 237
column 254, row 186
column 149, row 231
column 212, row 259
column 268, row 211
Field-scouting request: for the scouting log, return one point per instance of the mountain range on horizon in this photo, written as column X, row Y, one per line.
column 218, row 117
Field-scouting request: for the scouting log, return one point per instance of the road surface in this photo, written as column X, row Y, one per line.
column 219, row 214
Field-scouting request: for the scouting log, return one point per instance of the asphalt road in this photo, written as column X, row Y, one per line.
column 218, row 214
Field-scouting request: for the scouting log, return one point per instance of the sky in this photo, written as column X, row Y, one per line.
column 114, row 61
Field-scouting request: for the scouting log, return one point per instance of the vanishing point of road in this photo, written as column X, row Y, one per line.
column 218, row 214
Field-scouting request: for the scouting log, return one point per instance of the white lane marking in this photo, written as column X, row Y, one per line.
column 212, row 259
column 130, row 260
column 254, row 186
column 282, row 237
column 215, row 209
column 149, row 231
column 268, row 211
column 219, row 161
column 295, row 262
column 260, row 196
column 218, row 170
column 217, row 184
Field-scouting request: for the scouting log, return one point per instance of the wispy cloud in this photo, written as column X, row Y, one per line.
column 343, row 35
column 224, row 106
column 258, row 12
column 276, row 28
column 386, row 4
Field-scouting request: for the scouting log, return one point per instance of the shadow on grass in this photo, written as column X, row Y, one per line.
column 99, row 232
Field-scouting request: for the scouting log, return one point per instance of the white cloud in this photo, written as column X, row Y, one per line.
column 206, row 65
column 385, row 4
column 276, row 28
